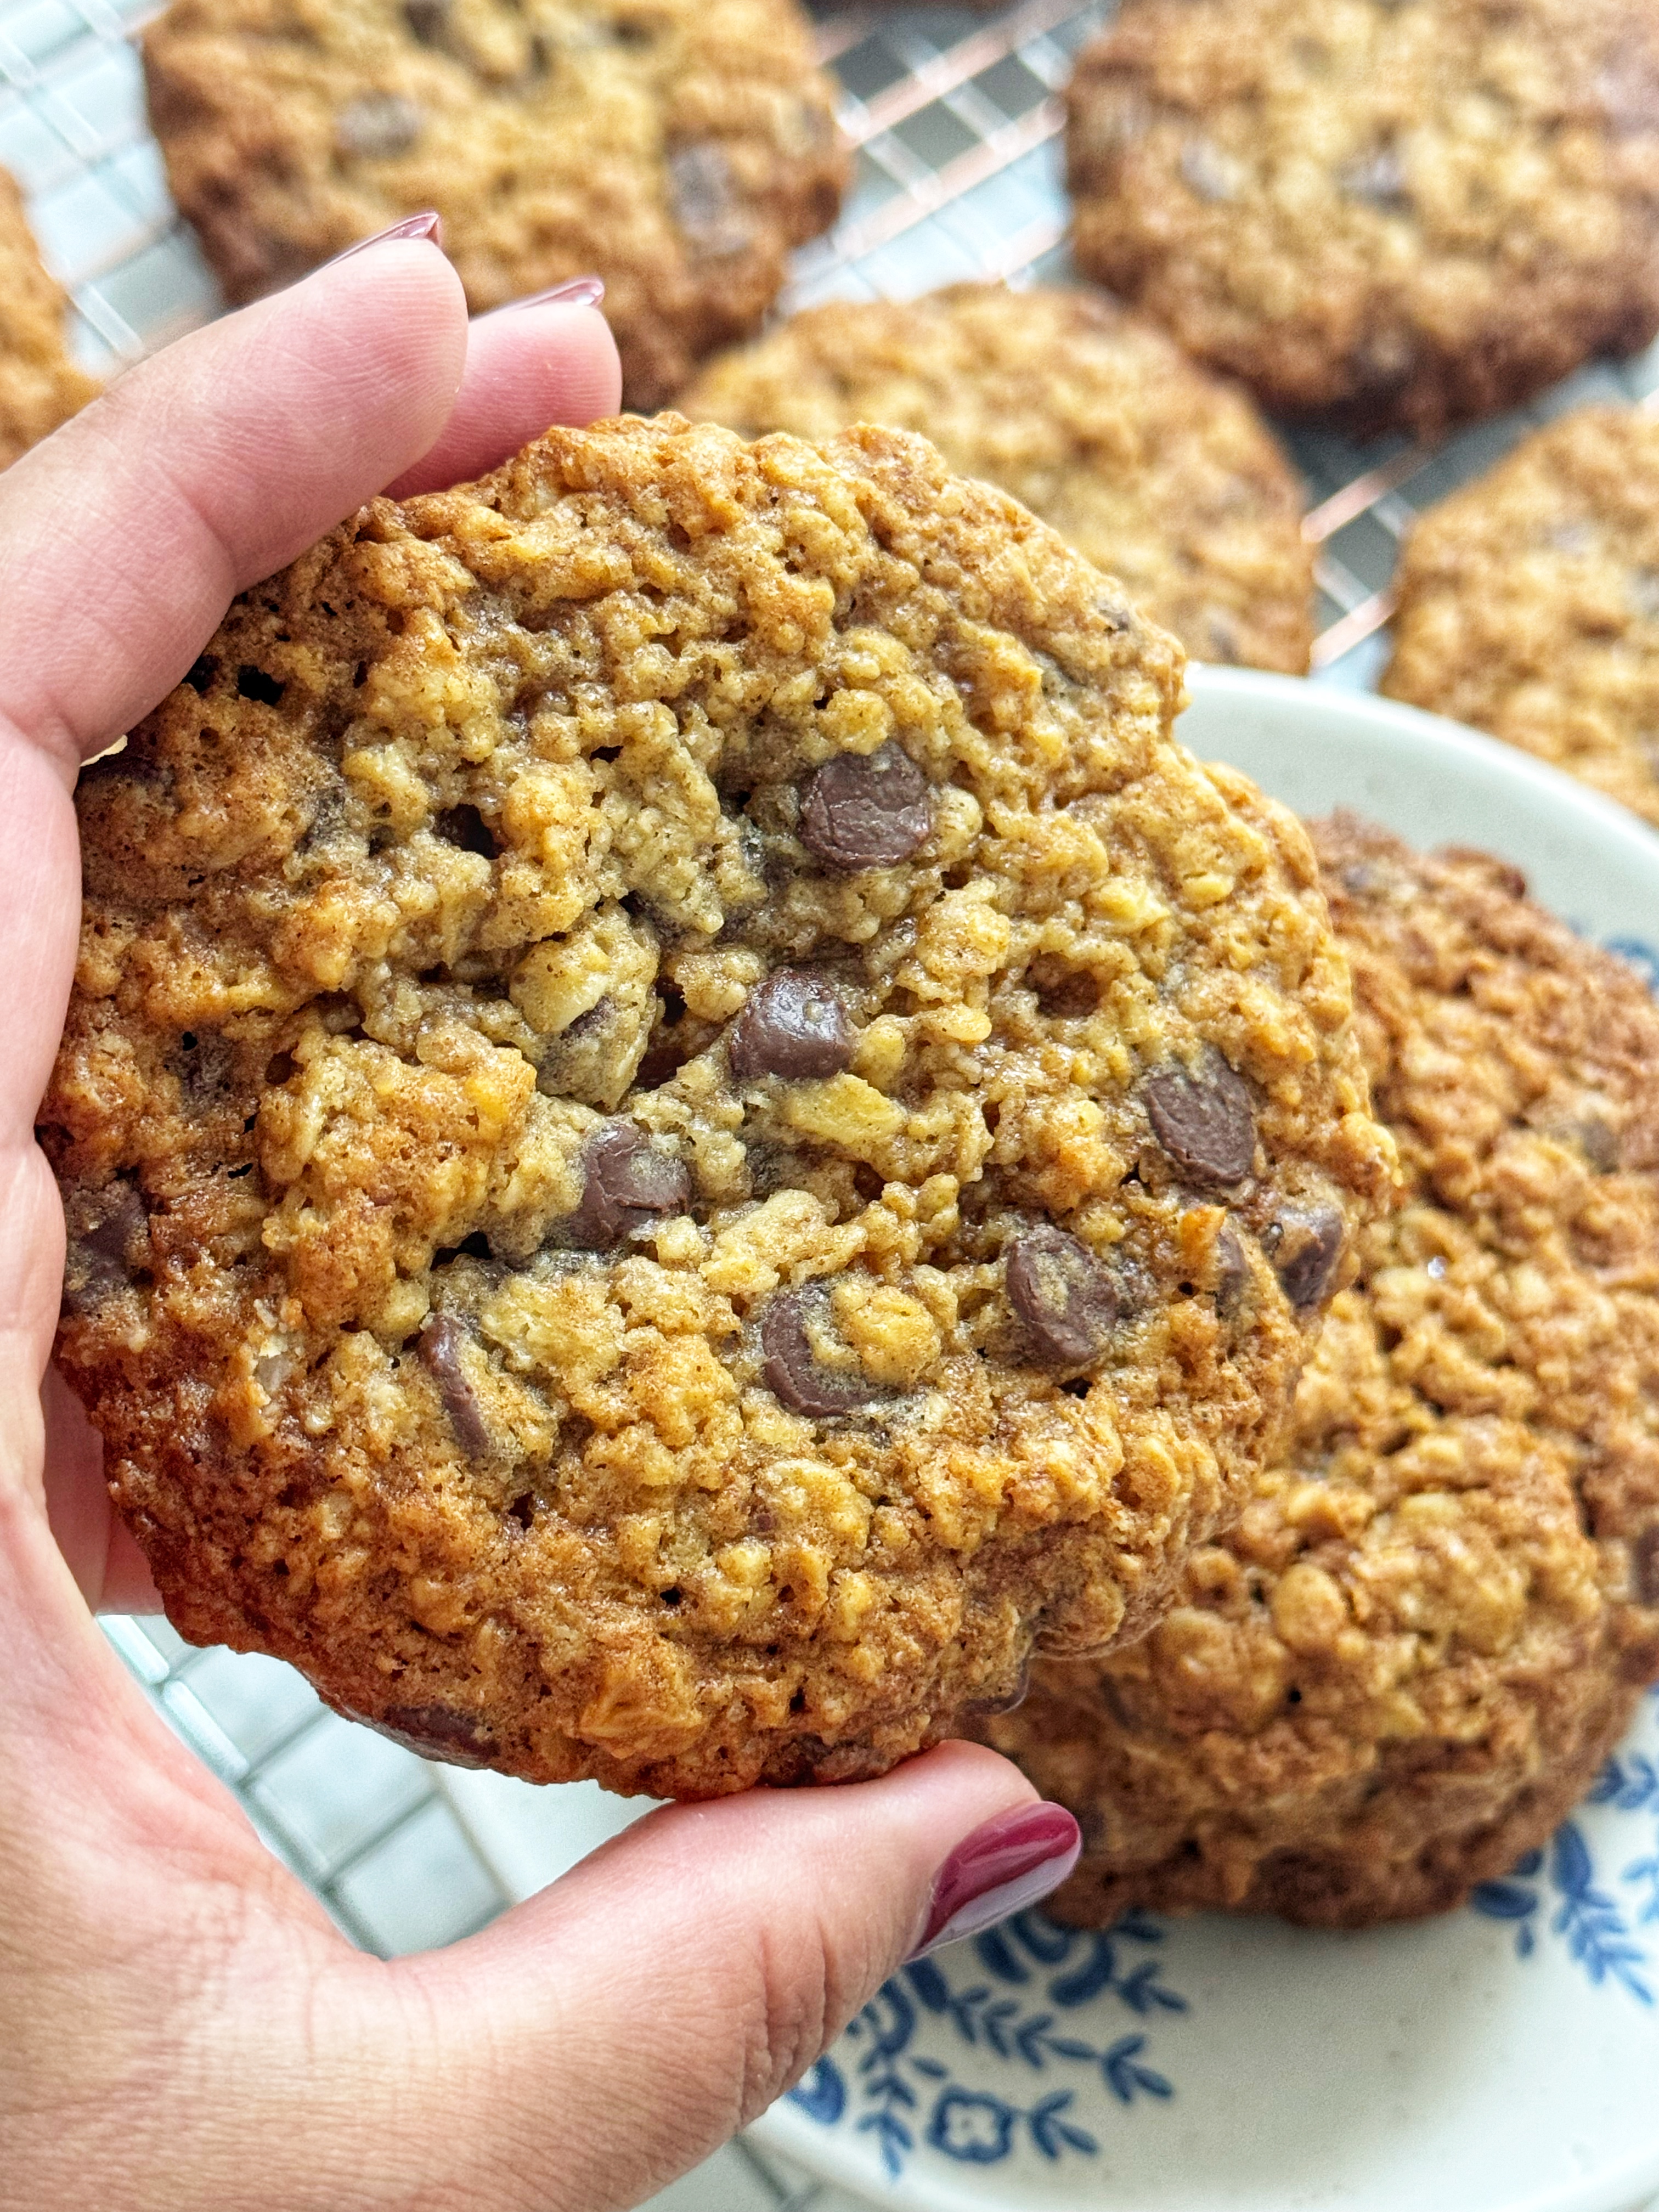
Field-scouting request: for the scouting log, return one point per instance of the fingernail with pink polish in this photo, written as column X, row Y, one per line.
column 428, row 224
column 574, row 292
column 1000, row 1869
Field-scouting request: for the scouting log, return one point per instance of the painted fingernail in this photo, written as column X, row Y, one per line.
column 574, row 292
column 1000, row 1869
column 428, row 224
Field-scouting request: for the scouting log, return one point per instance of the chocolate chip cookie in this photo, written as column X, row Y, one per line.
column 1407, row 1661
column 1396, row 212
column 683, row 1124
column 678, row 149
column 40, row 385
column 1530, row 604
column 1162, row 474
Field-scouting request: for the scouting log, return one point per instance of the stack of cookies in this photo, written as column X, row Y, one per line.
column 1432, row 1622
column 697, row 1152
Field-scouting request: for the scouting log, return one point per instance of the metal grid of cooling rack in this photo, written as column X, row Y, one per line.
column 957, row 117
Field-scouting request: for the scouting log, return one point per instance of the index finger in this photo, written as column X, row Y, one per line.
column 123, row 538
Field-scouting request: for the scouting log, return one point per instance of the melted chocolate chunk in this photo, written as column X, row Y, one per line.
column 1205, row 1121
column 866, row 811
column 1598, row 1140
column 103, row 1260
column 793, row 1376
column 790, row 1025
column 1066, row 1299
column 1305, row 1256
column 1232, row 1270
column 203, row 1063
column 427, row 19
column 436, row 1732
column 629, row 1186
column 1645, row 1566
column 440, row 1343
column 708, row 206
column 1377, row 178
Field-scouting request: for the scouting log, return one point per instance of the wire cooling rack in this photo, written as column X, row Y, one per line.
column 957, row 118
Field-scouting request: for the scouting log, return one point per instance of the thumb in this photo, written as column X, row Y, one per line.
column 670, row 1987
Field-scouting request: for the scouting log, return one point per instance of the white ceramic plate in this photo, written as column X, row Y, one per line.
column 1505, row 2058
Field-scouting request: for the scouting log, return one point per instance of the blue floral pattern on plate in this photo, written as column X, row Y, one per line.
column 1014, row 1996
column 894, row 2090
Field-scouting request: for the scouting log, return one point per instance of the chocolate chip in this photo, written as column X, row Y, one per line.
column 436, row 1732
column 627, row 1186
column 1066, row 1299
column 707, row 206
column 377, row 126
column 1363, row 880
column 1232, row 1270
column 1378, row 179
column 1204, row 1121
column 1645, row 1566
column 1225, row 643
column 866, row 809
column 104, row 1256
column 440, row 1343
column 793, row 1376
column 1307, row 1247
column 427, row 19
column 203, row 1063
column 1383, row 360
column 1598, row 1140
column 790, row 1025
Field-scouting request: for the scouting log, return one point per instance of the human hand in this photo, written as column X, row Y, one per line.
column 185, row 2028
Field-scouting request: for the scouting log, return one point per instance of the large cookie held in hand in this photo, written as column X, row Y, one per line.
column 1164, row 476
column 684, row 1125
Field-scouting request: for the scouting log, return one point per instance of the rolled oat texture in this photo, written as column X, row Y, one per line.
column 684, row 1123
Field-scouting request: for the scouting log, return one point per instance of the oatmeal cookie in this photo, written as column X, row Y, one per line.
column 40, row 385
column 1159, row 472
column 682, row 1122
column 1530, row 604
column 679, row 148
column 1394, row 212
column 1409, row 1658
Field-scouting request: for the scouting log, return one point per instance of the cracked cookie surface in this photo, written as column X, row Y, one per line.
column 40, row 386
column 1528, row 604
column 679, row 150
column 609, row 1119
column 1410, row 1657
column 1401, row 212
column 1160, row 473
